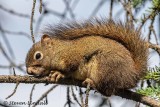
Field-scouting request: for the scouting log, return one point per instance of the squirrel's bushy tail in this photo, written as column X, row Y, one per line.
column 119, row 32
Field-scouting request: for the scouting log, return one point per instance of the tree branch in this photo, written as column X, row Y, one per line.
column 122, row 93
column 31, row 80
column 138, row 98
column 154, row 47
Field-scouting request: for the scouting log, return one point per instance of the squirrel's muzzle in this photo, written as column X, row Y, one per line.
column 30, row 71
column 37, row 71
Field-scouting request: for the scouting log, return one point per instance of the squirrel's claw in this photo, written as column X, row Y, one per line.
column 55, row 76
column 88, row 81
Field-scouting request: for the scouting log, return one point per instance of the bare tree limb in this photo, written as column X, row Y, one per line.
column 122, row 93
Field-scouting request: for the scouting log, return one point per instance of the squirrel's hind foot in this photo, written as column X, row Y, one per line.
column 88, row 81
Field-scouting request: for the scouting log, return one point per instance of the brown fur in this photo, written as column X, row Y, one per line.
column 111, row 54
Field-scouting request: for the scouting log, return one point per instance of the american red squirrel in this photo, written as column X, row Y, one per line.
column 108, row 55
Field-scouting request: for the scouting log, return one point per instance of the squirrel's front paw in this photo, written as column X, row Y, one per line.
column 55, row 76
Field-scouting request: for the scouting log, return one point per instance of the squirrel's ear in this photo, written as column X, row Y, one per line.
column 45, row 38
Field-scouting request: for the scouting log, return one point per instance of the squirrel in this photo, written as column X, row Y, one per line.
column 107, row 54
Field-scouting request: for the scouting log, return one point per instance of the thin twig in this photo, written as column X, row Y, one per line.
column 81, row 96
column 68, row 98
column 12, row 64
column 44, row 95
column 74, row 4
column 31, row 22
column 111, row 9
column 87, row 95
column 40, row 7
column 47, row 10
column 150, row 29
column 109, row 102
column 154, row 32
column 14, row 91
column 15, row 33
column 155, row 47
column 7, row 43
column 46, row 99
column 144, row 20
column 31, row 94
column 103, row 102
column 68, row 8
column 5, row 54
column 14, row 72
column 102, row 2
column 128, row 8
column 74, row 96
column 131, row 19
column 14, row 13
column 137, row 104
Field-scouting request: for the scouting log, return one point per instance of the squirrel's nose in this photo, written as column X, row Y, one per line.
column 30, row 71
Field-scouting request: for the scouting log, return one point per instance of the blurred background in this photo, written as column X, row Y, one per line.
column 15, row 41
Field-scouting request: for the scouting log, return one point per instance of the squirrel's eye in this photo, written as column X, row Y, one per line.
column 38, row 55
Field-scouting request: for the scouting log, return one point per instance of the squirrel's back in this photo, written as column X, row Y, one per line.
column 121, row 33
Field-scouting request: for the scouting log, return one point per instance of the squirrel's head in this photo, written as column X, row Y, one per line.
column 37, row 60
